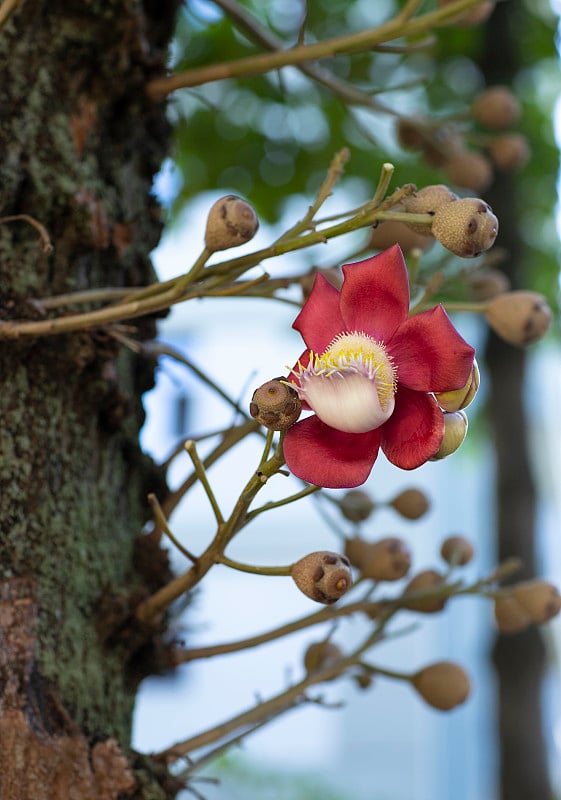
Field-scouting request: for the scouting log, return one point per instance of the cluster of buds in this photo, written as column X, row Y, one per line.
column 443, row 144
column 357, row 505
column 465, row 226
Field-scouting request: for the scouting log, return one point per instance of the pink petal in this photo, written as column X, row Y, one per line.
column 429, row 353
column 326, row 457
column 375, row 294
column 320, row 320
column 414, row 431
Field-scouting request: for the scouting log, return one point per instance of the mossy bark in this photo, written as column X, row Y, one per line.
column 80, row 144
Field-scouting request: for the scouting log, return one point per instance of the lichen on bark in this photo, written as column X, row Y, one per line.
column 81, row 145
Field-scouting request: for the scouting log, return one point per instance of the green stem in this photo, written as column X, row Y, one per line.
column 200, row 471
column 253, row 568
column 285, row 501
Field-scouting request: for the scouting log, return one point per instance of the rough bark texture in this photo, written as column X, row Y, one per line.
column 80, row 146
column 519, row 660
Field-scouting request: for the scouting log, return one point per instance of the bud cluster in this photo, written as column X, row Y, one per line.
column 445, row 144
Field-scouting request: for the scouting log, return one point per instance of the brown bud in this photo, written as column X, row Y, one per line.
column 457, row 399
column 411, row 503
column 483, row 284
column 455, row 430
column 410, row 133
column 323, row 576
column 510, row 617
column 388, row 559
column 467, row 227
column 520, row 317
column 509, row 151
column 356, row 505
column 275, row 405
column 391, row 231
column 470, row 170
column 443, row 685
column 231, row 221
column 496, row 108
column 539, row 599
column 356, row 550
column 363, row 680
column 423, row 582
column 321, row 654
column 426, row 201
column 457, row 551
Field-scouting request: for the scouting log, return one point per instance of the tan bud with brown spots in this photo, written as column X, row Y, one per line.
column 470, row 170
column 457, row 551
column 539, row 599
column 356, row 505
column 519, row 317
column 320, row 655
column 323, row 576
column 510, row 617
column 231, row 221
column 443, row 685
column 496, row 108
column 424, row 583
column 388, row 559
column 275, row 405
column 411, row 503
column 466, row 227
column 426, row 201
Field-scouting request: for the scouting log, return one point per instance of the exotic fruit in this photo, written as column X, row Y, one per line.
column 369, row 373
column 323, row 576
column 275, row 405
column 466, row 227
column 231, row 221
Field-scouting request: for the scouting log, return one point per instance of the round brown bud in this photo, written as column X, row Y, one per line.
column 457, row 551
column 410, row 133
column 323, row 576
column 457, row 399
column 466, row 227
column 423, row 582
column 356, row 550
column 539, row 599
column 426, row 201
column 363, row 680
column 483, row 284
column 509, row 151
column 470, row 170
column 411, row 503
column 496, row 108
column 356, row 505
column 392, row 231
column 389, row 559
column 455, row 430
column 443, row 685
column 510, row 617
column 320, row 655
column 520, row 317
column 231, row 221
column 473, row 16
column 275, row 405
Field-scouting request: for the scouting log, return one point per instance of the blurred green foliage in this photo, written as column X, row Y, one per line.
column 271, row 137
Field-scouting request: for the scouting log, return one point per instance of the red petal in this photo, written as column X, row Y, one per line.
column 375, row 294
column 429, row 353
column 320, row 320
column 326, row 457
column 414, row 431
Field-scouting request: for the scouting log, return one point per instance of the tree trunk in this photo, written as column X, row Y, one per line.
column 519, row 660
column 80, row 145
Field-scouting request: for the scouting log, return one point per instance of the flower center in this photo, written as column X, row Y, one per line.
column 351, row 386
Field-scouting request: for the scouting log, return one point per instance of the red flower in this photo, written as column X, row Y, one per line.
column 368, row 373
